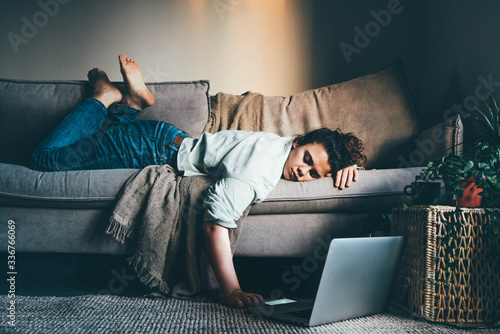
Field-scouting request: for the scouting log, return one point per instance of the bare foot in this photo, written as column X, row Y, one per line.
column 137, row 94
column 103, row 89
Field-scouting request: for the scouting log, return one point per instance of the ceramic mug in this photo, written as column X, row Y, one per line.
column 424, row 193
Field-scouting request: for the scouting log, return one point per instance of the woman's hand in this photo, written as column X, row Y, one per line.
column 238, row 298
column 221, row 260
column 345, row 176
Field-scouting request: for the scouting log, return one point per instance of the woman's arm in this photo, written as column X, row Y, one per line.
column 220, row 256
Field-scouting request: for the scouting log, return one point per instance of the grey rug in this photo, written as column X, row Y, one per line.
column 118, row 314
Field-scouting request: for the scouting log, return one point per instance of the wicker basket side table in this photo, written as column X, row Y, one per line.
column 430, row 285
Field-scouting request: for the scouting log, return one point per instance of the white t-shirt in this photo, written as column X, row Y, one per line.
column 245, row 165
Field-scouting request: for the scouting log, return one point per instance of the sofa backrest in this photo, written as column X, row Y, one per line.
column 377, row 108
column 30, row 110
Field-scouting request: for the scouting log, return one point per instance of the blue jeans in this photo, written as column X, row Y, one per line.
column 93, row 137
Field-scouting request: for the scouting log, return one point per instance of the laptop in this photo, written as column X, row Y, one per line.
column 357, row 280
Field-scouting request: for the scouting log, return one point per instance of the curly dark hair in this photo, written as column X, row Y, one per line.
column 343, row 149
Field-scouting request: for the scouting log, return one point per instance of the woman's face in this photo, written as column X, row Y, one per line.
column 306, row 163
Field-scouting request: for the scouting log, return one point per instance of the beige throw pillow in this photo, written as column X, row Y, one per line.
column 377, row 108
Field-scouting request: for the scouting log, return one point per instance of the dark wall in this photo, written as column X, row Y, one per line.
column 459, row 51
column 354, row 38
column 450, row 49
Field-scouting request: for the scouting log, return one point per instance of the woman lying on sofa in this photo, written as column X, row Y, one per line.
column 102, row 133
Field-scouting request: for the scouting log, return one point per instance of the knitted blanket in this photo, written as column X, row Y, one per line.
column 163, row 212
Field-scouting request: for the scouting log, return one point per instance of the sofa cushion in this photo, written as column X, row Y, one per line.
column 37, row 107
column 376, row 190
column 56, row 230
column 377, row 108
column 82, row 189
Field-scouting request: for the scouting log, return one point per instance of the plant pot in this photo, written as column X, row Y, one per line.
column 470, row 197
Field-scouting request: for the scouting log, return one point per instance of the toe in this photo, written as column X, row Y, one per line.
column 123, row 59
column 91, row 73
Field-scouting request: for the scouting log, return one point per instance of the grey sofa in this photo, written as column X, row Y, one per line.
column 67, row 212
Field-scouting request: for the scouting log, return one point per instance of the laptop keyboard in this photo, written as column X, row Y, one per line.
column 305, row 314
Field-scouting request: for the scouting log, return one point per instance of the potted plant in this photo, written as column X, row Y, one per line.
column 459, row 174
column 476, row 172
